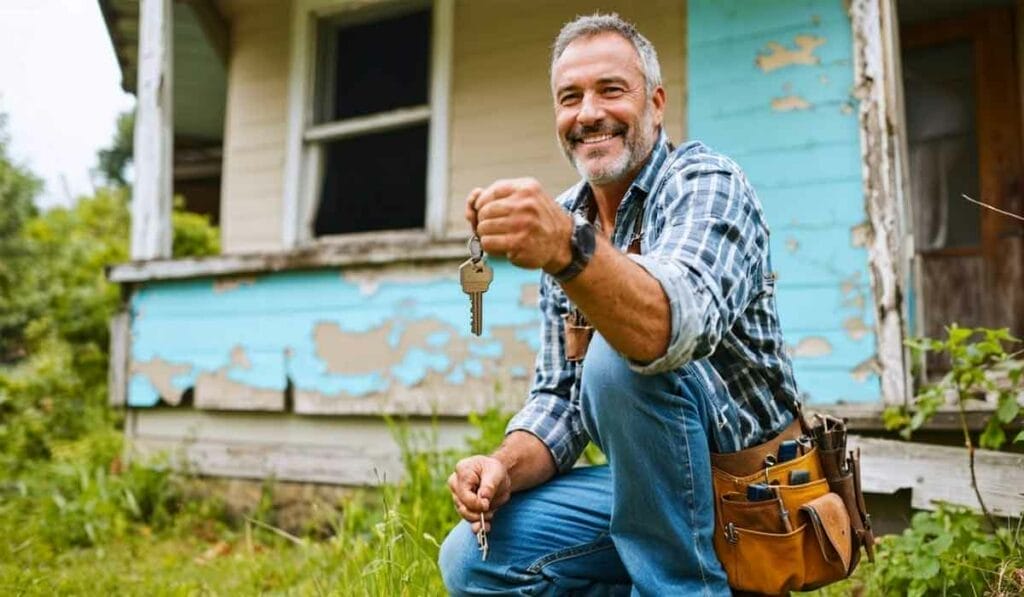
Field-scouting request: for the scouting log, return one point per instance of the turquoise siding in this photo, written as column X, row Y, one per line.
column 787, row 117
column 402, row 327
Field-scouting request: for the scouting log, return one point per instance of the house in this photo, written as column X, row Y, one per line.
column 335, row 140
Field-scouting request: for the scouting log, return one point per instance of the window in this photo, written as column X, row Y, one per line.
column 370, row 131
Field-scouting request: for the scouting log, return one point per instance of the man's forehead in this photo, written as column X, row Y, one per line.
column 602, row 56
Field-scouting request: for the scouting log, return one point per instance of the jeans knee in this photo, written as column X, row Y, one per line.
column 458, row 560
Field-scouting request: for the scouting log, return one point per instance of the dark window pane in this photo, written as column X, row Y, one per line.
column 381, row 65
column 943, row 144
column 374, row 182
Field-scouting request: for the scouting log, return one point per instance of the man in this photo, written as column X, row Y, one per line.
column 686, row 357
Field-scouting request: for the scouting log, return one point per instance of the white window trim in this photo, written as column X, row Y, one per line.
column 303, row 156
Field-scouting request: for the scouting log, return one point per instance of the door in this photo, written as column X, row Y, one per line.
column 964, row 138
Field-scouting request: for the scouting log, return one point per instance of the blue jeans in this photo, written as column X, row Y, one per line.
column 641, row 525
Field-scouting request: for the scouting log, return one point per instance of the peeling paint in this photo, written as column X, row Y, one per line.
column 855, row 328
column 860, row 235
column 792, row 244
column 161, row 375
column 811, row 347
column 369, row 280
column 239, row 358
column 790, row 103
column 850, row 283
column 359, row 353
column 529, row 295
column 216, row 390
column 233, row 283
column 778, row 56
column 823, row 79
column 865, row 369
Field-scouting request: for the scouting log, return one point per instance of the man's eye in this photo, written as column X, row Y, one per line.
column 569, row 99
column 613, row 91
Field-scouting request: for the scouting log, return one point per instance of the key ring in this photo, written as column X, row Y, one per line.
column 476, row 250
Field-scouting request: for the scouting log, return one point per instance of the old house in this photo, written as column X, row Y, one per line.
column 335, row 140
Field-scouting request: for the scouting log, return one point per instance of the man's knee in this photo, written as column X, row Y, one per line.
column 456, row 567
column 608, row 383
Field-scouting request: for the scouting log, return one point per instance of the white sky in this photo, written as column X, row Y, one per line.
column 60, row 87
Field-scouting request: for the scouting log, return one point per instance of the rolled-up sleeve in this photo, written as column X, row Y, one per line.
column 552, row 410
column 707, row 258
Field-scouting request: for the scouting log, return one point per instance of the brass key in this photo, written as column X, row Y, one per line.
column 475, row 276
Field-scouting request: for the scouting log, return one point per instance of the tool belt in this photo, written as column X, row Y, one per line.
column 789, row 513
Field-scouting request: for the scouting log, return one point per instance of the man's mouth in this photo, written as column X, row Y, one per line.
column 597, row 138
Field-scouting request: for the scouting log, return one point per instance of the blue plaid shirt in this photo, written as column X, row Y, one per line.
column 706, row 241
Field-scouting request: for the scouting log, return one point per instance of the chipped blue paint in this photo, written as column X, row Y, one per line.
column 141, row 392
column 273, row 318
column 805, row 165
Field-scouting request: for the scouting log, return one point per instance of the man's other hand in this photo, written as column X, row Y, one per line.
column 480, row 484
column 516, row 219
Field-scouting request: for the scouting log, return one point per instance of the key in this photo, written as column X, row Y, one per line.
column 475, row 276
column 481, row 539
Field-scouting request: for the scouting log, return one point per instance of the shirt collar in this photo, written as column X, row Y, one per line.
column 640, row 186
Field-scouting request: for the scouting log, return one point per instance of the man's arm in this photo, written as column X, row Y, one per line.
column 622, row 301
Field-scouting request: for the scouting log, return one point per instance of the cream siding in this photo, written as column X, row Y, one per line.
column 256, row 123
column 502, row 122
column 501, row 108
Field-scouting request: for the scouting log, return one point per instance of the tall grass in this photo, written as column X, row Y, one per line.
column 82, row 523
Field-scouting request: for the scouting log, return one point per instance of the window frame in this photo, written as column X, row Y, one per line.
column 306, row 139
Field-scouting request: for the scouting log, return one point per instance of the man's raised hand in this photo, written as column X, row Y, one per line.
column 516, row 219
column 479, row 485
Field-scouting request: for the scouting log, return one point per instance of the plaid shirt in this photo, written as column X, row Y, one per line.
column 705, row 240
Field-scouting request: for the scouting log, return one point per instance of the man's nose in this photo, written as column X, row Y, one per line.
column 590, row 110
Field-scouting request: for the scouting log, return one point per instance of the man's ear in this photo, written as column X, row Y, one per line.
column 658, row 101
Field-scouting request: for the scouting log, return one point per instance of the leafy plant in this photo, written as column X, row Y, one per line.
column 980, row 368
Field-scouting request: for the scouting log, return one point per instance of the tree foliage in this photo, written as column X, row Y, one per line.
column 113, row 161
column 18, row 188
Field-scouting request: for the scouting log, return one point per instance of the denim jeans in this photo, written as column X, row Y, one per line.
column 641, row 525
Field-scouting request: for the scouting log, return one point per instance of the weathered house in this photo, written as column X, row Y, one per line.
column 335, row 140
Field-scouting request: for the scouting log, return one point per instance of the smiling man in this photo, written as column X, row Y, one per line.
column 660, row 343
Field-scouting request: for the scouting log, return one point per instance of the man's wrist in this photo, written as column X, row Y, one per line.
column 582, row 244
column 563, row 257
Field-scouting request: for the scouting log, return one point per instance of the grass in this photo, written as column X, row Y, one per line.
column 81, row 523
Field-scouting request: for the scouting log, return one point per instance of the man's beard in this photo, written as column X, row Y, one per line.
column 637, row 144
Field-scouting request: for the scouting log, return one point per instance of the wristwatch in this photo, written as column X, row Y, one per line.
column 582, row 243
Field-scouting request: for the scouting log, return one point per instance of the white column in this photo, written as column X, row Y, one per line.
column 154, row 133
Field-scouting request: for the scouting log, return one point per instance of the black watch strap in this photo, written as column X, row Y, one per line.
column 582, row 243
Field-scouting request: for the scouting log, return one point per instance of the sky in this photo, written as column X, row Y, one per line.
column 60, row 87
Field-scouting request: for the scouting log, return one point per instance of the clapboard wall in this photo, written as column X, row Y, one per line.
column 770, row 85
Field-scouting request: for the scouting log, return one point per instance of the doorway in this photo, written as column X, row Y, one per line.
column 963, row 126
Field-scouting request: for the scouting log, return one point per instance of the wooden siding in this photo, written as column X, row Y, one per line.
column 349, row 451
column 770, row 87
column 342, row 451
column 501, row 107
column 255, row 128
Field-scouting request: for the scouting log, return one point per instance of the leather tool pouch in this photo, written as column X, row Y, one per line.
column 808, row 536
column 577, row 339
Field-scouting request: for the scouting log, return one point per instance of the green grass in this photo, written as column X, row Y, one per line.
column 81, row 523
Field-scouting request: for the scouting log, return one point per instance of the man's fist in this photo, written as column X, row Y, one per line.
column 516, row 219
column 480, row 484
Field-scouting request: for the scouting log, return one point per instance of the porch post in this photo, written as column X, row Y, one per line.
column 876, row 86
column 154, row 134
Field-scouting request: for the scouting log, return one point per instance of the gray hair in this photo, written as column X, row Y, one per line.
column 597, row 23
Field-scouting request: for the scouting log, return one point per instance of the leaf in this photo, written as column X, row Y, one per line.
column 988, row 549
column 1008, row 407
column 993, row 437
column 1019, row 439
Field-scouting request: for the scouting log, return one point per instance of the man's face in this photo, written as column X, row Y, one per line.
column 606, row 122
